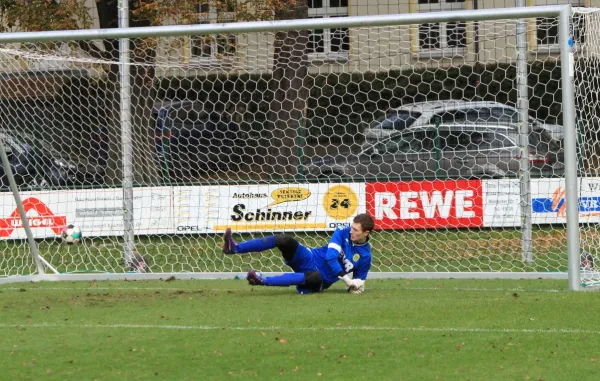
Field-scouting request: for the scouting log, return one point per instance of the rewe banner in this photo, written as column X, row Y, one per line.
column 425, row 204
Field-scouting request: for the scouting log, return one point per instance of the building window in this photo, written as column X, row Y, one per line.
column 446, row 37
column 328, row 44
column 215, row 46
column 546, row 28
column 443, row 35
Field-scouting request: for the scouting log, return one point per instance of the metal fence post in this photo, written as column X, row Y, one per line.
column 126, row 136
column 523, row 107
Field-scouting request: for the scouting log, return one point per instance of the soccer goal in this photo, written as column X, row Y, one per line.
column 463, row 133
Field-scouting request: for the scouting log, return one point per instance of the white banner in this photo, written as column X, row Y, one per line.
column 98, row 212
column 284, row 207
column 501, row 200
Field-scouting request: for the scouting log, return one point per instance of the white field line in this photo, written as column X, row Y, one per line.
column 310, row 329
column 238, row 289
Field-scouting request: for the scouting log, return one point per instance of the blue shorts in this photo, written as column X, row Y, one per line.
column 303, row 262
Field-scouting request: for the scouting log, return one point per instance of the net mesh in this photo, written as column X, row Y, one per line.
column 293, row 132
column 587, row 97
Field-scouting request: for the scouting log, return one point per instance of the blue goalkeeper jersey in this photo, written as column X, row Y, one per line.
column 342, row 255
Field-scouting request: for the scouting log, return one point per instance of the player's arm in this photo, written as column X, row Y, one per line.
column 331, row 258
column 333, row 252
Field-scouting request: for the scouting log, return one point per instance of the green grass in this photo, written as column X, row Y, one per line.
column 445, row 250
column 221, row 330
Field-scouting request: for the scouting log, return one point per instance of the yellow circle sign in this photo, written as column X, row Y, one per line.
column 340, row 202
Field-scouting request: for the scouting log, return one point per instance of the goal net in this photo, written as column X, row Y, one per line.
column 296, row 132
column 587, row 98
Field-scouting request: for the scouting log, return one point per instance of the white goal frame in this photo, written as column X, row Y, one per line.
column 562, row 12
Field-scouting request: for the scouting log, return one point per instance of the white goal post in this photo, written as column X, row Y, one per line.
column 464, row 133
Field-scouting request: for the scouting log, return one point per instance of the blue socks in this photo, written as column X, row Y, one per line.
column 284, row 280
column 266, row 243
column 256, row 245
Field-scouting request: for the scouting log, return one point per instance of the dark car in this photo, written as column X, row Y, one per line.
column 190, row 140
column 448, row 151
column 37, row 164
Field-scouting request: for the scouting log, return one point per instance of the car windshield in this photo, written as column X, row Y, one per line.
column 398, row 120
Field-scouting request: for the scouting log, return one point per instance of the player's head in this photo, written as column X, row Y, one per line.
column 362, row 226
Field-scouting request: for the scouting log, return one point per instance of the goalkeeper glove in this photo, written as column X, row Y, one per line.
column 352, row 283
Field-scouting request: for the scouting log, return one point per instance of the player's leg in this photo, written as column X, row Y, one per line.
column 288, row 247
column 306, row 275
column 286, row 244
column 251, row 246
column 307, row 282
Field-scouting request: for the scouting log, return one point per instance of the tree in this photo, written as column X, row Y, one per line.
column 44, row 15
column 287, row 111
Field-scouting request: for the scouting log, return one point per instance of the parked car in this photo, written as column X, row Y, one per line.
column 449, row 151
column 451, row 111
column 35, row 163
column 189, row 140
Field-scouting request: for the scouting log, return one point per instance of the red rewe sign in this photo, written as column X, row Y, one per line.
column 44, row 219
column 425, row 204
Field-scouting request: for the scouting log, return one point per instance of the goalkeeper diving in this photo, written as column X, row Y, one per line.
column 347, row 257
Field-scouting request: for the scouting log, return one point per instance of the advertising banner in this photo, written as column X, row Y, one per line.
column 425, row 204
column 297, row 207
column 501, row 203
column 502, row 200
column 549, row 205
column 249, row 208
column 97, row 212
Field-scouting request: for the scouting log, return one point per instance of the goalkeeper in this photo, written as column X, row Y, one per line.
column 346, row 257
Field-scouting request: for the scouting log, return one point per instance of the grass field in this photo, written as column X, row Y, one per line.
column 444, row 250
column 221, row 330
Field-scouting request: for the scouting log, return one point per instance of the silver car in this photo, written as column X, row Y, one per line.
column 459, row 151
column 451, row 111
